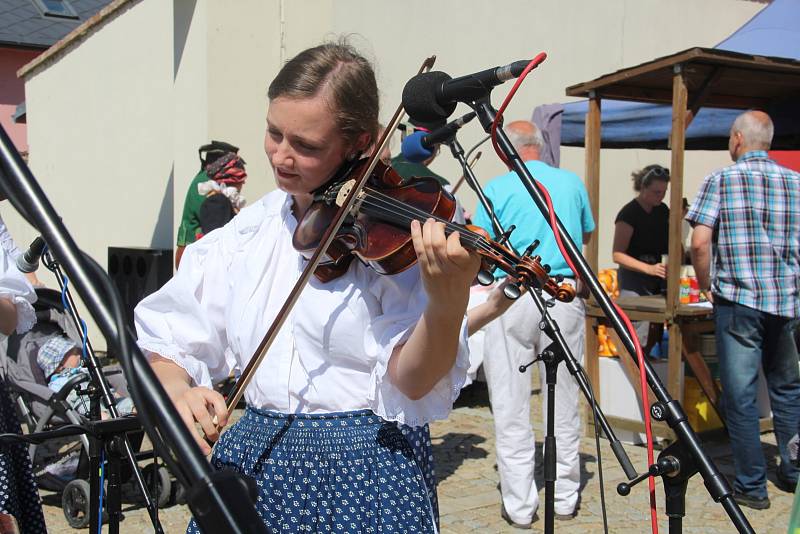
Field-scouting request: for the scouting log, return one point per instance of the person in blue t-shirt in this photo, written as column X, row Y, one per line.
column 516, row 338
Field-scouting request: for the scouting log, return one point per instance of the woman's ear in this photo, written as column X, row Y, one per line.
column 362, row 142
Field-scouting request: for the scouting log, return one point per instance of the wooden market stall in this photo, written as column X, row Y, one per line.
column 687, row 80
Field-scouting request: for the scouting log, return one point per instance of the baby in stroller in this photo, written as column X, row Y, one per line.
column 60, row 360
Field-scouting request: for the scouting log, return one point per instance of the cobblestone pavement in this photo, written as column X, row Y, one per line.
column 470, row 501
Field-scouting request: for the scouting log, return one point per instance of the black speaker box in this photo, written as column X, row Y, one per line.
column 137, row 272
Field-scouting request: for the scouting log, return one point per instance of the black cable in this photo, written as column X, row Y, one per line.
column 475, row 146
column 593, row 401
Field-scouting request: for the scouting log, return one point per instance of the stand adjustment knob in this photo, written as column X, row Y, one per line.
column 658, row 412
column 667, row 465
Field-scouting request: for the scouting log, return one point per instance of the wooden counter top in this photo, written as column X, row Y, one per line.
column 649, row 308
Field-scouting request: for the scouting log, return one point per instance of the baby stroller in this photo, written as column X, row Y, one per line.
column 40, row 409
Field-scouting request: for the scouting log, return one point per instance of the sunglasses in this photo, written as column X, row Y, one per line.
column 655, row 172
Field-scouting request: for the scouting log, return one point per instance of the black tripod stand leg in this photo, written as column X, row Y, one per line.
column 675, row 491
column 114, row 491
column 95, row 489
column 551, row 360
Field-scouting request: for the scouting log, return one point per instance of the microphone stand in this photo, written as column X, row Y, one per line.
column 555, row 353
column 101, row 389
column 221, row 501
column 688, row 456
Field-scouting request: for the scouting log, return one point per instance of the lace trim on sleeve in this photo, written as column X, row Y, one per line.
column 26, row 315
column 197, row 370
column 390, row 403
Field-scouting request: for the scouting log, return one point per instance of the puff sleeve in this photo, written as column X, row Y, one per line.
column 403, row 300
column 184, row 321
column 15, row 287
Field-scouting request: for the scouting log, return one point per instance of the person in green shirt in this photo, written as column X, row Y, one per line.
column 190, row 222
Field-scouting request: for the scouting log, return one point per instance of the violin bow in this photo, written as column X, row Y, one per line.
column 330, row 234
column 471, row 164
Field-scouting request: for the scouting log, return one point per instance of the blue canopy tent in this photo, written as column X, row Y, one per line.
column 773, row 32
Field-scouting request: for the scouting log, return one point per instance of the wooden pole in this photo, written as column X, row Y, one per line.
column 677, row 142
column 592, row 180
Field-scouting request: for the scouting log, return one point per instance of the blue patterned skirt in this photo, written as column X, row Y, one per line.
column 18, row 494
column 345, row 472
column 419, row 437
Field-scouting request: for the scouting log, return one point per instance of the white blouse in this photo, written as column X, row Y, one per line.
column 7, row 243
column 13, row 284
column 331, row 354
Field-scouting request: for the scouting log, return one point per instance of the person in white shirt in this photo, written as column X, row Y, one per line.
column 356, row 356
column 11, row 252
column 19, row 497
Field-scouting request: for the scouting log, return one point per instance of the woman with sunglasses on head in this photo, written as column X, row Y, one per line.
column 641, row 235
column 357, row 356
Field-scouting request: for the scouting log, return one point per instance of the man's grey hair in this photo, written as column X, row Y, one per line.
column 519, row 140
column 757, row 133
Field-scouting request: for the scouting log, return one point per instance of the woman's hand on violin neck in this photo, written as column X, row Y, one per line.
column 446, row 267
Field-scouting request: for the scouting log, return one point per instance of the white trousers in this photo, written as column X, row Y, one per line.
column 512, row 340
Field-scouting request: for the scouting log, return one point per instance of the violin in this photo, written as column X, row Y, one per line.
column 377, row 230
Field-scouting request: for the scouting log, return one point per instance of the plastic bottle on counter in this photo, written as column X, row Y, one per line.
column 694, row 290
column 685, row 287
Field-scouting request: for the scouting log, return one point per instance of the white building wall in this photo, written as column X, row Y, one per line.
column 188, row 118
column 115, row 122
column 244, row 53
column 101, row 135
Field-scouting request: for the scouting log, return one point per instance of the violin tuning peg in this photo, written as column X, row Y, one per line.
column 559, row 278
column 512, row 291
column 546, row 268
column 504, row 237
column 485, row 277
column 531, row 247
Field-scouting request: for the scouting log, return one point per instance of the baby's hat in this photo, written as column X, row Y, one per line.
column 52, row 353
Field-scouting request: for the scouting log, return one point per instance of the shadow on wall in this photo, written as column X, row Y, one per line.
column 164, row 231
column 182, row 15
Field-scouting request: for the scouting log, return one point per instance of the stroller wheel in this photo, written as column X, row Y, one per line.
column 158, row 483
column 75, row 503
column 180, row 493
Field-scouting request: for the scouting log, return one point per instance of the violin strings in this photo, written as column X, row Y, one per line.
column 406, row 213
column 413, row 213
column 386, row 203
column 421, row 215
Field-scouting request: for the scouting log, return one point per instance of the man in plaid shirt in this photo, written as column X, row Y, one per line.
column 746, row 254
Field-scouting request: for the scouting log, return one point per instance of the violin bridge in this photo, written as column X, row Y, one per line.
column 344, row 191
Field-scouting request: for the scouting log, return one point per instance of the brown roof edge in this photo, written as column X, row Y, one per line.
column 76, row 36
column 712, row 55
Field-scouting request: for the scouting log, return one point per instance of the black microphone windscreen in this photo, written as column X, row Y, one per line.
column 419, row 97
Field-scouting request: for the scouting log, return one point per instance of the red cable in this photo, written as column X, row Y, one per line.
column 553, row 225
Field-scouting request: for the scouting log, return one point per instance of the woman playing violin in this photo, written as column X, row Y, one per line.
column 357, row 356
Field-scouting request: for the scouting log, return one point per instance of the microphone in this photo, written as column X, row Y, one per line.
column 432, row 96
column 29, row 261
column 419, row 146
